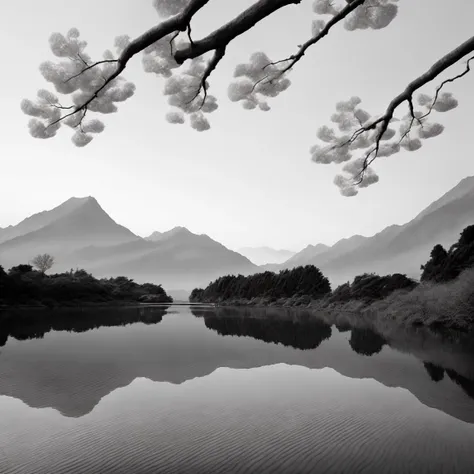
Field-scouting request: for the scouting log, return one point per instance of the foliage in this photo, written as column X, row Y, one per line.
column 370, row 287
column 170, row 52
column 43, row 262
column 300, row 281
column 438, row 305
column 23, row 285
column 444, row 266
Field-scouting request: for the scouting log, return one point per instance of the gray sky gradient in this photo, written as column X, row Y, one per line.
column 249, row 180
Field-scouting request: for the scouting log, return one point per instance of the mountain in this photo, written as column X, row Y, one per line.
column 68, row 227
column 154, row 236
column 41, row 219
column 180, row 259
column 80, row 234
column 404, row 248
column 304, row 255
column 322, row 252
column 265, row 255
column 464, row 188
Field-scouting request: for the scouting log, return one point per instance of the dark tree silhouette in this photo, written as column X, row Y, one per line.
column 35, row 324
column 306, row 283
column 304, row 332
column 366, row 341
column 446, row 266
column 435, row 372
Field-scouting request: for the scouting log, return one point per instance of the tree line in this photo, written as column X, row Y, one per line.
column 300, row 281
column 24, row 285
column 306, row 283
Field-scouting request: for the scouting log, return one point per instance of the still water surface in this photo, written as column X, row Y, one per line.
column 180, row 389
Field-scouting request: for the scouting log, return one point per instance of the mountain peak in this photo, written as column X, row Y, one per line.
column 177, row 230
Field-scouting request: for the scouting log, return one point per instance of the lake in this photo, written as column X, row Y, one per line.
column 204, row 390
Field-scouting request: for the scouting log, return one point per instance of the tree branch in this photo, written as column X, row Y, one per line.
column 90, row 67
column 407, row 95
column 218, row 55
column 239, row 25
column 349, row 8
column 177, row 23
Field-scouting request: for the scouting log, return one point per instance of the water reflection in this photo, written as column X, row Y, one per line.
column 300, row 331
column 75, row 359
column 35, row 323
column 275, row 419
column 366, row 341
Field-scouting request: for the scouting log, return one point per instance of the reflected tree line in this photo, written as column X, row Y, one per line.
column 303, row 331
column 438, row 373
column 307, row 333
column 35, row 324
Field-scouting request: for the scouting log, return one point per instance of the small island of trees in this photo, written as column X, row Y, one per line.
column 23, row 285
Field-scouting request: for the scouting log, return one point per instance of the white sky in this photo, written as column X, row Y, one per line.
column 249, row 180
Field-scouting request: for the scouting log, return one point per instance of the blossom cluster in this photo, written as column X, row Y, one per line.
column 258, row 80
column 72, row 75
column 185, row 90
column 358, row 139
column 373, row 14
column 167, row 8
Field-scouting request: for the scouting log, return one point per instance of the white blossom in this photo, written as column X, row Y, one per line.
column 166, row 8
column 388, row 149
column 317, row 26
column 411, row 144
column 259, row 79
column 445, row 102
column 121, row 42
column 93, row 126
column 424, row 100
column 81, row 139
column 326, row 134
column 430, row 130
column 73, row 76
column 175, row 117
column 324, row 7
column 375, row 14
column 199, row 122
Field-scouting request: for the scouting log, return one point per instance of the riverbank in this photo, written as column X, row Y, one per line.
column 438, row 306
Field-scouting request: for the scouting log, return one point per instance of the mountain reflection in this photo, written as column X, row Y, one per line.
column 58, row 367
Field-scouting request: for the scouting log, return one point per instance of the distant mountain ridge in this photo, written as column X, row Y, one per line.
column 80, row 234
column 397, row 248
column 265, row 255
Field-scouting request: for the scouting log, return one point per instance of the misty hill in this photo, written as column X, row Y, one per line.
column 403, row 248
column 41, row 219
column 179, row 259
column 66, row 228
column 80, row 234
column 306, row 254
column 154, row 236
column 322, row 252
column 265, row 255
